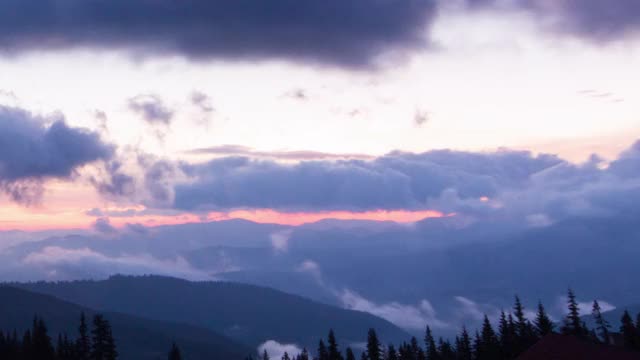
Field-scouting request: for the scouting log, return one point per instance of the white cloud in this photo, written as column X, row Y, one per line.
column 584, row 307
column 52, row 256
column 276, row 349
column 405, row 316
column 311, row 267
column 280, row 240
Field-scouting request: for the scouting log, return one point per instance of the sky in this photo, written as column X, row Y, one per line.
column 164, row 112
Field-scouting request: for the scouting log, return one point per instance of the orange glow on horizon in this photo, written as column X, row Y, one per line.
column 26, row 220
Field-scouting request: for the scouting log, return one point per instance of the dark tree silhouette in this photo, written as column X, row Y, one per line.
column 543, row 324
column 83, row 343
column 174, row 353
column 374, row 351
column 602, row 325
column 333, row 350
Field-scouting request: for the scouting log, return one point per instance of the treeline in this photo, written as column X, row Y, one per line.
column 36, row 344
column 514, row 335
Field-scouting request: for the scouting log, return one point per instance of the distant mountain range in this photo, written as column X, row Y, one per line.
column 136, row 338
column 443, row 272
column 248, row 314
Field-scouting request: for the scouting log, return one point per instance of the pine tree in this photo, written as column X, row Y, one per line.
column 83, row 344
column 543, row 324
column 42, row 349
column 103, row 346
column 629, row 331
column 602, row 325
column 506, row 336
column 349, row 355
column 285, row 356
column 373, row 346
column 463, row 347
column 415, row 350
column 323, row 354
column 391, row 353
column 265, row 355
column 477, row 346
column 333, row 350
column 572, row 323
column 174, row 353
column 525, row 334
column 304, row 355
column 446, row 350
column 490, row 346
column 431, row 348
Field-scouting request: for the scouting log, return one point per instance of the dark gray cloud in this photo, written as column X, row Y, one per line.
column 152, row 109
column 502, row 185
column 328, row 31
column 138, row 178
column 32, row 151
column 395, row 181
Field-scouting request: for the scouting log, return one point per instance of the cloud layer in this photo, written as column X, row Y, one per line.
column 335, row 31
column 34, row 148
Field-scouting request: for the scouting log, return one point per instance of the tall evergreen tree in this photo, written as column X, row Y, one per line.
column 602, row 325
column 543, row 324
column 265, row 355
column 83, row 343
column 415, row 350
column 103, row 346
column 490, row 346
column 374, row 351
column 446, row 350
column 304, row 355
column 333, row 350
column 431, row 347
column 525, row 334
column 507, row 337
column 285, row 356
column 629, row 331
column 573, row 325
column 174, row 353
column 392, row 354
column 349, row 355
column 463, row 347
column 42, row 349
column 323, row 354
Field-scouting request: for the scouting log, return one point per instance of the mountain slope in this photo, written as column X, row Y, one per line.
column 136, row 338
column 250, row 314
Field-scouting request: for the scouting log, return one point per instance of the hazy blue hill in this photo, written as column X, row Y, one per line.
column 250, row 314
column 136, row 338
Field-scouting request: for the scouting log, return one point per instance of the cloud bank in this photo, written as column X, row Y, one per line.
column 335, row 31
column 34, row 149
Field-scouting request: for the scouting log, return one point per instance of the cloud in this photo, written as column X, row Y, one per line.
column 394, row 181
column 204, row 104
column 405, row 316
column 103, row 226
column 595, row 20
column 138, row 178
column 276, row 350
column 280, row 240
column 312, row 268
column 152, row 109
column 339, row 32
column 239, row 150
column 421, row 117
column 92, row 262
column 584, row 307
column 34, row 149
